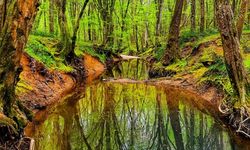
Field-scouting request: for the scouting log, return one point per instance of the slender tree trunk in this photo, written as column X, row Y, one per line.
column 159, row 4
column 231, row 46
column 77, row 25
column 202, row 19
column 89, row 24
column 63, row 25
column 242, row 16
column 106, row 9
column 2, row 13
column 193, row 15
column 234, row 6
column 51, row 16
column 172, row 49
column 14, row 34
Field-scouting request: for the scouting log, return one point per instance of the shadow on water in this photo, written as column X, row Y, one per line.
column 128, row 116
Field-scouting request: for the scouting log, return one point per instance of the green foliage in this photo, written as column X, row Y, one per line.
column 40, row 52
column 87, row 47
column 217, row 76
column 159, row 53
column 197, row 37
column 178, row 66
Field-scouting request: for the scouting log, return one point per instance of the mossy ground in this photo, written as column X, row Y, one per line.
column 204, row 62
column 45, row 50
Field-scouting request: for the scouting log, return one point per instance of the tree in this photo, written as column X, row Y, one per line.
column 17, row 23
column 172, row 49
column 106, row 9
column 159, row 4
column 202, row 19
column 193, row 15
column 231, row 47
column 64, row 30
column 51, row 16
column 77, row 25
column 242, row 16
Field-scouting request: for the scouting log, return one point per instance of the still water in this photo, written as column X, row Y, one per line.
column 123, row 116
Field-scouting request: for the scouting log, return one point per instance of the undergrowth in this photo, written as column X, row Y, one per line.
column 40, row 52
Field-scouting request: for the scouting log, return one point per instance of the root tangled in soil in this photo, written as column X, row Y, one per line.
column 237, row 118
column 24, row 143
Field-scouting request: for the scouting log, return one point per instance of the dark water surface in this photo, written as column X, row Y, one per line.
column 113, row 116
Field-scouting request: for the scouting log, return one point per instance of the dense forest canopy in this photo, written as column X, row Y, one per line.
column 130, row 25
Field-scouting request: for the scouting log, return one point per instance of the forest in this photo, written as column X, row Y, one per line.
column 124, row 74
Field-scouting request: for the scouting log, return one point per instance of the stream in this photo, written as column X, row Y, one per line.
column 129, row 116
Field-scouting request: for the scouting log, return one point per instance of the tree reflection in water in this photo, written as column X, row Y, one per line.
column 129, row 116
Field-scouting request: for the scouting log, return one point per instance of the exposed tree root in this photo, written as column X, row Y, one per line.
column 237, row 118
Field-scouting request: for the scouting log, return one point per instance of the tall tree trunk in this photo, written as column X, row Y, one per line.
column 2, row 13
column 172, row 49
column 51, row 16
column 159, row 4
column 106, row 9
column 124, row 16
column 63, row 25
column 242, row 16
column 202, row 19
column 193, row 15
column 18, row 22
column 234, row 6
column 231, row 46
column 77, row 25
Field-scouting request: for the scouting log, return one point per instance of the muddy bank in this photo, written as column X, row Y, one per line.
column 40, row 87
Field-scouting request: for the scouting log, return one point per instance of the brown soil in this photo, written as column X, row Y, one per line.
column 49, row 86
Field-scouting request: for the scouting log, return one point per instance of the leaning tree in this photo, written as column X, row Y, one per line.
column 231, row 47
column 18, row 17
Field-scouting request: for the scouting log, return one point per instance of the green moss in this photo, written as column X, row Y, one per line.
column 179, row 66
column 41, row 49
column 23, row 87
column 200, row 72
column 86, row 47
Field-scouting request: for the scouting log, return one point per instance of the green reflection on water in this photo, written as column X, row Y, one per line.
column 129, row 116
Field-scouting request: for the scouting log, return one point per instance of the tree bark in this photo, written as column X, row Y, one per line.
column 193, row 15
column 159, row 4
column 106, row 9
column 202, row 19
column 231, row 47
column 51, row 17
column 77, row 25
column 172, row 49
column 20, row 15
column 242, row 16
column 63, row 25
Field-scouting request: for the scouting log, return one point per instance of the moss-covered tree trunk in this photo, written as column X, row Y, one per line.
column 202, row 13
column 242, row 16
column 106, row 9
column 159, row 4
column 193, row 15
column 172, row 49
column 231, row 46
column 76, row 27
column 18, row 22
column 64, row 30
